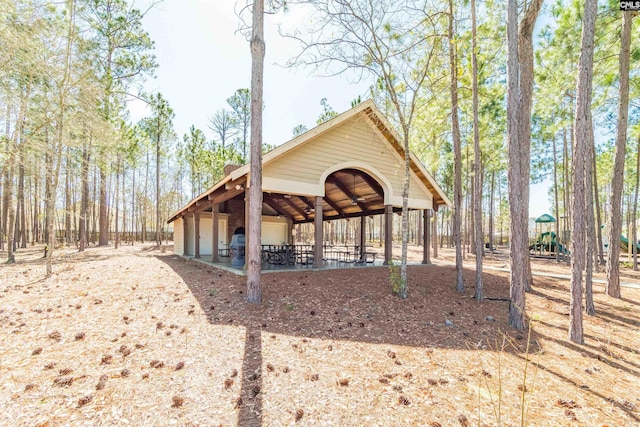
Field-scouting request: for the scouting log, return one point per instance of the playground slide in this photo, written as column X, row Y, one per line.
column 624, row 244
column 562, row 249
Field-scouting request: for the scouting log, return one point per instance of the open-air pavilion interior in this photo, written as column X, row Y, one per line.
column 351, row 166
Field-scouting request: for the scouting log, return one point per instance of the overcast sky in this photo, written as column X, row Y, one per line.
column 203, row 60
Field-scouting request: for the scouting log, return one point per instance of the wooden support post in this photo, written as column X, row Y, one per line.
column 185, row 242
column 363, row 225
column 196, row 234
column 246, row 228
column 318, row 234
column 215, row 233
column 435, row 234
column 388, row 234
column 426, row 238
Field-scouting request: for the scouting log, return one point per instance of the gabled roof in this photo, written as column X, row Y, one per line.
column 376, row 119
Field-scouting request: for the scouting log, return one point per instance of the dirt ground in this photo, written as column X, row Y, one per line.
column 139, row 336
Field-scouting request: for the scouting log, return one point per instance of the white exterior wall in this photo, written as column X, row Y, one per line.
column 275, row 231
column 206, row 234
column 178, row 238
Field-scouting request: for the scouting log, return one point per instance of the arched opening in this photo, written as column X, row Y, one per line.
column 352, row 193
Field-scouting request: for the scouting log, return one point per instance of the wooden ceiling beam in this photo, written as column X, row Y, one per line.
column 226, row 195
column 306, row 202
column 351, row 215
column 330, row 202
column 297, row 209
column 373, row 184
column 347, row 192
column 271, row 202
column 198, row 206
column 334, row 206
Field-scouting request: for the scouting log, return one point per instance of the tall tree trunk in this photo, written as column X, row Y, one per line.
column 124, row 205
column 477, row 206
column 612, row 286
column 11, row 218
column 103, row 219
column 84, row 198
column 491, row 210
column 145, row 218
column 67, row 199
column 12, row 145
column 457, row 154
column 117, row 200
column 525, row 62
column 36, row 209
column 501, row 224
column 54, row 151
column 517, row 211
column 8, row 201
column 50, row 208
column 158, row 239
column 567, row 209
column 592, row 261
column 596, row 196
column 22, row 217
column 555, row 195
column 629, row 250
column 468, row 206
column 254, row 288
column 74, row 204
column 628, row 231
column 403, row 291
column 581, row 142
column 20, row 214
column 4, row 177
column 634, row 216
column 45, row 230
column 133, row 205
column 94, row 219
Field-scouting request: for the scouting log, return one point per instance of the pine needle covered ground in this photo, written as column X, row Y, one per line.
column 142, row 337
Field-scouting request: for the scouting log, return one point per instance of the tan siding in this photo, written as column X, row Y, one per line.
column 190, row 245
column 178, row 238
column 417, row 190
column 355, row 140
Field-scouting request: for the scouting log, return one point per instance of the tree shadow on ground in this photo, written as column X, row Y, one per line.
column 604, row 315
column 357, row 305
column 628, row 301
column 250, row 400
column 629, row 411
column 594, row 348
column 353, row 305
column 602, row 347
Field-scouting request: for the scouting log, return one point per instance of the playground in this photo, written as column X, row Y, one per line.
column 547, row 241
column 550, row 239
